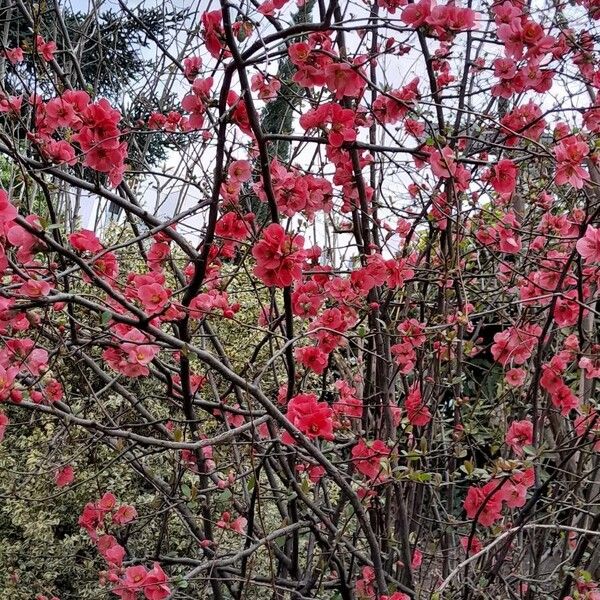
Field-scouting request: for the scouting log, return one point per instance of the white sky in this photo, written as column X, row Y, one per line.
column 163, row 196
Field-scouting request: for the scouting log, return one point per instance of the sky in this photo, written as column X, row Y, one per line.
column 164, row 196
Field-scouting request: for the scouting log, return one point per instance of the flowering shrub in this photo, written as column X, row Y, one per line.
column 358, row 358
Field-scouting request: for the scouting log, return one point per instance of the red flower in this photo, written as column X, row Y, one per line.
column 155, row 584
column 7, row 210
column 60, row 112
column 45, row 49
column 344, row 80
column 341, row 121
column 485, row 499
column 213, row 34
column 515, row 377
column 124, row 514
column 416, row 14
column 519, row 434
column 3, row 425
column 569, row 154
column 131, row 583
column 515, row 344
column 14, row 55
column 391, row 5
column 312, row 358
column 191, row 67
column 279, row 257
column 238, row 524
column 589, row 245
column 64, row 476
column 311, row 417
column 153, row 297
column 448, row 19
column 85, row 240
column 267, row 88
column 504, row 177
column 418, row 413
column 367, row 459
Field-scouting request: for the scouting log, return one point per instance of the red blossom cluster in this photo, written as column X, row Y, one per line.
column 127, row 582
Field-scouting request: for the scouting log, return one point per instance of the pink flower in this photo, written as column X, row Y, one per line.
column 443, row 162
column 15, row 55
column 519, row 434
column 311, row 417
column 514, row 491
column 348, row 406
column 279, row 257
column 240, row 171
column 141, row 354
column 45, row 49
column 504, row 177
column 367, row 459
column 566, row 310
column 10, row 104
column 341, row 121
column 471, row 546
column 7, row 211
column 4, row 422
column 564, row 399
column 569, row 154
column 391, row 5
column 60, row 113
column 212, row 32
column 64, row 476
column 448, row 19
column 27, row 243
column 191, row 67
column 417, row 559
column 416, row 14
column 515, row 344
column 418, row 413
column 515, row 377
column 484, row 503
column 155, row 584
column 589, row 245
column 106, row 266
column 131, row 583
column 413, row 332
column 313, row 358
column 35, row 288
column 60, row 152
column 85, row 240
column 107, row 502
column 514, row 494
column 91, row 518
column 153, row 297
column 395, row 104
column 238, row 525
column 111, row 551
column 344, row 80
column 124, row 514
column 364, row 585
column 267, row 88
column 132, row 356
